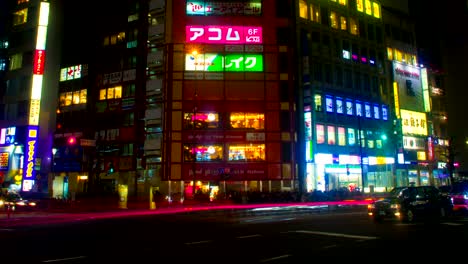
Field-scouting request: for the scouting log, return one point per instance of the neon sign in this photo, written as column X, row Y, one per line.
column 213, row 62
column 413, row 122
column 202, row 8
column 39, row 58
column 71, row 73
column 223, row 34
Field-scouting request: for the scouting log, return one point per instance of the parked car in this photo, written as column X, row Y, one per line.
column 459, row 193
column 13, row 201
column 410, row 203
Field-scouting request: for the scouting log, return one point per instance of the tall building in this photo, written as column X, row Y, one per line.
column 28, row 98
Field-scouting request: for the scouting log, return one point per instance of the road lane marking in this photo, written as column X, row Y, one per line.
column 275, row 258
column 335, row 234
column 7, row 229
column 198, row 242
column 452, row 224
column 63, row 259
column 330, row 246
column 249, row 236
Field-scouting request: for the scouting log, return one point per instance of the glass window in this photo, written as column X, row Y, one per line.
column 320, row 134
column 16, row 61
column 351, row 137
column 329, row 104
column 343, row 23
column 303, row 9
column 343, row 2
column 331, row 137
column 68, row 98
column 358, row 108
column 376, row 9
column 203, row 152
column 360, row 5
column 76, row 97
column 349, row 107
column 315, row 13
column 367, row 109
column 102, row 94
column 20, row 17
column 203, row 120
column 376, row 112
column 339, row 106
column 368, row 7
column 241, row 120
column 318, row 102
column 341, row 136
column 83, row 96
column 246, row 152
column 334, row 20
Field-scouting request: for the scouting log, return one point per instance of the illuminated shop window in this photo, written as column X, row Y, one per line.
column 240, row 120
column 362, row 137
column 303, row 9
column 202, row 120
column 110, row 93
column 320, row 134
column 22, row 1
column 20, row 17
column 315, row 13
column 246, row 152
column 331, row 137
column 343, row 2
column 341, row 136
column 203, row 152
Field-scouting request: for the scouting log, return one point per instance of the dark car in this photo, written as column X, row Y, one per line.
column 459, row 193
column 409, row 203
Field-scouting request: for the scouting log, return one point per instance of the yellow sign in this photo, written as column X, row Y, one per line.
column 413, row 123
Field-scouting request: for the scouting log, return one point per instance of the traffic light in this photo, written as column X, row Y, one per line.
column 71, row 141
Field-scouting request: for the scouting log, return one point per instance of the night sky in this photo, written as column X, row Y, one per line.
column 442, row 37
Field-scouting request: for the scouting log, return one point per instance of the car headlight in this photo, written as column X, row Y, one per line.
column 395, row 206
column 371, row 206
column 2, row 202
column 21, row 203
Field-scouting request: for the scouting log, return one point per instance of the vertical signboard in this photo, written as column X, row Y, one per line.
column 36, row 93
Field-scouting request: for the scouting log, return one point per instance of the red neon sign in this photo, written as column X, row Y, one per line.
column 39, row 59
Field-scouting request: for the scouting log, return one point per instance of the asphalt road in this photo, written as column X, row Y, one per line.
column 262, row 236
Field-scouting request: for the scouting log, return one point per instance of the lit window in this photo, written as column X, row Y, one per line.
column 203, row 152
column 315, row 13
column 343, row 2
column 20, row 17
column 246, row 152
column 202, row 120
column 247, row 120
column 16, row 61
column 343, row 23
column 390, row 53
column 376, row 9
column 334, row 20
column 331, row 135
column 320, row 134
column 341, row 136
column 360, row 5
column 76, row 97
column 318, row 102
column 368, row 7
column 68, row 98
column 353, row 26
column 351, row 137
column 303, row 9
column 83, row 96
column 102, row 94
